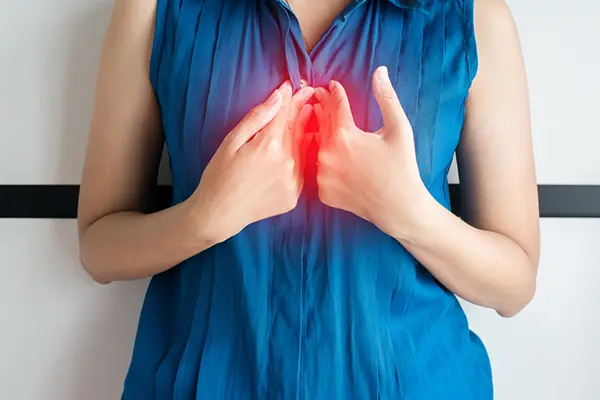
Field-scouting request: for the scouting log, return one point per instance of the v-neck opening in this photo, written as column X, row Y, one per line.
column 341, row 17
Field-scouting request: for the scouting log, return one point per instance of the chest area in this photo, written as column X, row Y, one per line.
column 219, row 59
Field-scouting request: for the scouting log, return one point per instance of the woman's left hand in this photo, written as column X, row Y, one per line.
column 373, row 175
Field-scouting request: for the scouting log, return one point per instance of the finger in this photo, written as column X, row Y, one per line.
column 341, row 113
column 324, row 135
column 286, row 89
column 301, row 123
column 322, row 95
column 318, row 111
column 305, row 145
column 277, row 126
column 321, row 111
column 259, row 117
column 300, row 143
column 300, row 139
column 299, row 100
column 394, row 118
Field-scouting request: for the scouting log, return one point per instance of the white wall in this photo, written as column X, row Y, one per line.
column 560, row 44
column 64, row 338
column 551, row 350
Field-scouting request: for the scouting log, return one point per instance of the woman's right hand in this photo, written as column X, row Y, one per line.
column 256, row 173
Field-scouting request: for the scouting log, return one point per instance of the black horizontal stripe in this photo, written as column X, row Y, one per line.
column 60, row 201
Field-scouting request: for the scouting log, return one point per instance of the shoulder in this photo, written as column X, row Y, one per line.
column 134, row 18
column 493, row 20
column 496, row 37
column 131, row 32
column 135, row 10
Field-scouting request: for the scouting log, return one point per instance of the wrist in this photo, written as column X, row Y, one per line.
column 414, row 215
column 199, row 226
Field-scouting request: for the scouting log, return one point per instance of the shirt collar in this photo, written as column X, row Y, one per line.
column 410, row 4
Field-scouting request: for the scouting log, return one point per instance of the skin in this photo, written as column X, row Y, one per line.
column 489, row 257
column 316, row 16
column 119, row 238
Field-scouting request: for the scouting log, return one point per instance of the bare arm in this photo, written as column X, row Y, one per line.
column 490, row 258
column 491, row 261
column 119, row 238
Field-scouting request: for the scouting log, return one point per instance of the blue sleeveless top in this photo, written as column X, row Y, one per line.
column 316, row 303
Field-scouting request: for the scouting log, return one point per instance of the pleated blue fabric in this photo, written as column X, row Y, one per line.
column 316, row 303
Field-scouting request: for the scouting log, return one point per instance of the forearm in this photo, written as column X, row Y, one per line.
column 482, row 267
column 131, row 245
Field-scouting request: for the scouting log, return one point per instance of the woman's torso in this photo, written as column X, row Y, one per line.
column 316, row 303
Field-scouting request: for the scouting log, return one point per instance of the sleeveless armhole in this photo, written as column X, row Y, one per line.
column 470, row 41
column 157, row 43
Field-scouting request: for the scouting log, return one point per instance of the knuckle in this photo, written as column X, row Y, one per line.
column 290, row 125
column 292, row 200
column 290, row 197
column 263, row 141
column 406, row 128
column 297, row 105
column 272, row 145
column 388, row 92
column 286, row 169
column 285, row 107
column 289, row 166
column 321, row 179
column 324, row 196
column 256, row 112
column 323, row 157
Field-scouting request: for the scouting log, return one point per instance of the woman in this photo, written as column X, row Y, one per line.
column 309, row 251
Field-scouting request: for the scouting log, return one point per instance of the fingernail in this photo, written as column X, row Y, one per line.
column 287, row 85
column 273, row 98
column 307, row 89
column 331, row 85
column 303, row 83
column 382, row 74
column 311, row 91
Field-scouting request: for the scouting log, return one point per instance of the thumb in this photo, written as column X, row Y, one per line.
column 254, row 121
column 394, row 118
